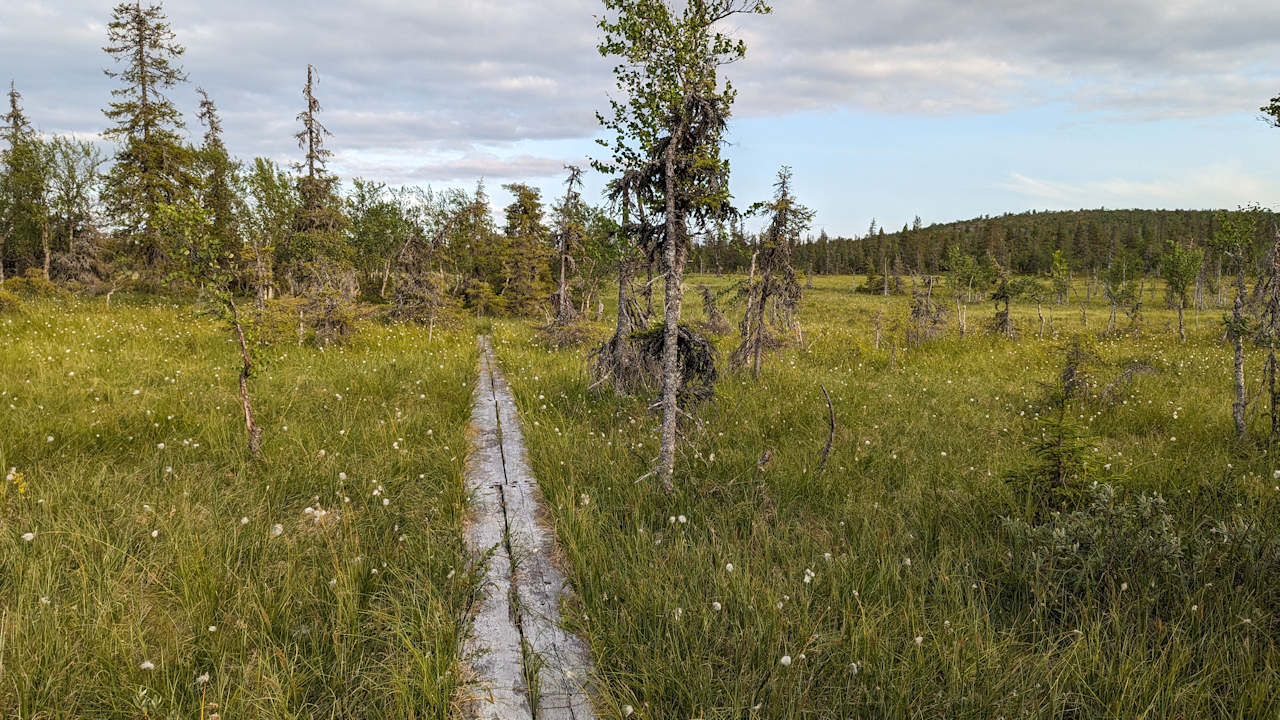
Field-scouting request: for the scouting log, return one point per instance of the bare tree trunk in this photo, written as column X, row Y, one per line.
column 254, row 432
column 44, row 245
column 673, row 260
column 1182, row 331
column 1241, row 403
column 2, row 241
column 1040, row 313
column 759, row 335
column 386, row 275
column 1222, row 289
column 1274, row 392
column 648, row 289
column 562, row 308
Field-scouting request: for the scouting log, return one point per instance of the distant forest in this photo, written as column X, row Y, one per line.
column 1090, row 240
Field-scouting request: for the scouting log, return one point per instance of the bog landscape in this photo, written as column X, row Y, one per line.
column 282, row 443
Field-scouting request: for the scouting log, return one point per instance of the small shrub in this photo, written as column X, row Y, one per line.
column 325, row 319
column 561, row 336
column 1105, row 547
column 33, row 284
column 332, row 317
column 9, row 303
column 876, row 282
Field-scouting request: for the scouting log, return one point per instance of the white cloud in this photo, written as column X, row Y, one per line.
column 1223, row 185
column 456, row 87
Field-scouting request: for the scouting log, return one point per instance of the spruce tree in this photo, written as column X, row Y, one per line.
column 14, row 176
column 527, row 252
column 27, row 172
column 316, row 255
column 776, row 284
column 217, row 180
column 151, row 164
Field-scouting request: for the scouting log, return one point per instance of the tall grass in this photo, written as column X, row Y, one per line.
column 890, row 585
column 149, row 569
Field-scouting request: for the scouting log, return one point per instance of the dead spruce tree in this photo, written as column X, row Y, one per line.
column 570, row 228
column 928, row 318
column 669, row 129
column 716, row 323
column 1005, row 291
column 773, row 286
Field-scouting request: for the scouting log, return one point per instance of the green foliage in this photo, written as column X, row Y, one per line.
column 1180, row 266
column 965, row 272
column 1062, row 467
column 1060, row 276
column 152, row 165
column 9, row 302
column 271, row 203
column 1098, row 552
column 668, row 128
column 218, row 177
column 377, row 227
column 480, row 297
column 33, row 284
column 1271, row 112
column 26, row 167
column 528, row 253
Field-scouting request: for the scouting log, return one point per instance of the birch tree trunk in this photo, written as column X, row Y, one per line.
column 671, row 332
column 44, row 245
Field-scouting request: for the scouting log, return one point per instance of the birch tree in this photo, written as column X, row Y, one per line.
column 668, row 130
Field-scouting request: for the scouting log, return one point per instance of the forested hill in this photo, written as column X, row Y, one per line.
column 1024, row 242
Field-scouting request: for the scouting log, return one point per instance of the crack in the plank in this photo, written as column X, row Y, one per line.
column 531, row 694
column 549, row 658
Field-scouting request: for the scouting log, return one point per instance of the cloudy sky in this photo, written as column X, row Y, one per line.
column 945, row 109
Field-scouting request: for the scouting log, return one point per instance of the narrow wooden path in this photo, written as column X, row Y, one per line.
column 524, row 665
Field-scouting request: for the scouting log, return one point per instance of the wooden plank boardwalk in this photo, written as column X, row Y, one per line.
column 516, row 634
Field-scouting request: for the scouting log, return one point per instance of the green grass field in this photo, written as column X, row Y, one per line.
column 888, row 585
column 147, row 569
column 168, row 576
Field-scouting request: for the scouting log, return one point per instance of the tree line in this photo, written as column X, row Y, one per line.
column 165, row 212
column 1025, row 243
